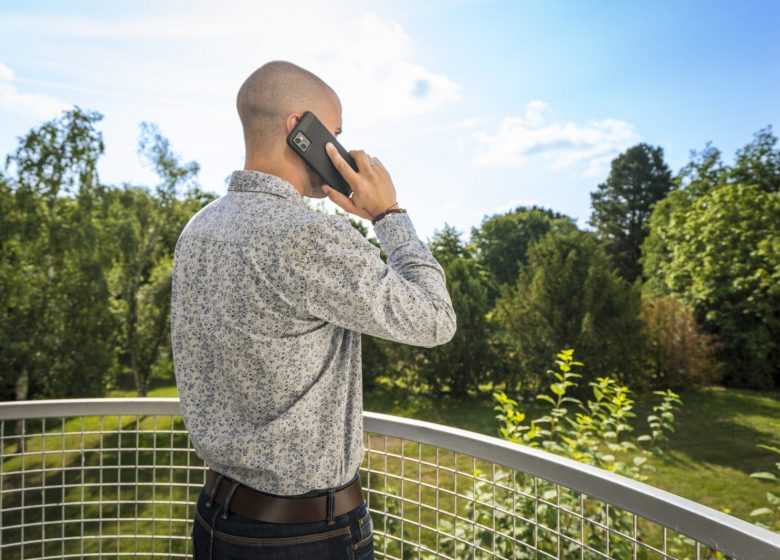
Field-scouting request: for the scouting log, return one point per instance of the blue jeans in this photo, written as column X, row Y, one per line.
column 241, row 538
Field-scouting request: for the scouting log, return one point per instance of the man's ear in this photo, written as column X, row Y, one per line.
column 291, row 121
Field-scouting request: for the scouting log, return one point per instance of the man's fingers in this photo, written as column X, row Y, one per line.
column 362, row 160
column 341, row 164
column 339, row 198
column 343, row 201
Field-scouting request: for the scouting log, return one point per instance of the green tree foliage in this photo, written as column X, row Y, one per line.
column 84, row 267
column 465, row 361
column 758, row 163
column 721, row 254
column 622, row 204
column 146, row 226
column 714, row 243
column 55, row 297
column 569, row 294
column 502, row 241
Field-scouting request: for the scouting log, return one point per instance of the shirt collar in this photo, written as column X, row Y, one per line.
column 249, row 180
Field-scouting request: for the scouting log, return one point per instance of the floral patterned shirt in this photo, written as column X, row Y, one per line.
column 269, row 302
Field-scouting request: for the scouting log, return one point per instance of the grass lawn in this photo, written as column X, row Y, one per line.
column 710, row 455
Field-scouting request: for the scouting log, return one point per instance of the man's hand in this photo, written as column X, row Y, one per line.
column 373, row 191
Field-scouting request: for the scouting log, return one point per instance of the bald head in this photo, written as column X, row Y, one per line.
column 270, row 94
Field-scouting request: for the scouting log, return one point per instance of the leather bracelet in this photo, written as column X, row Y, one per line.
column 390, row 210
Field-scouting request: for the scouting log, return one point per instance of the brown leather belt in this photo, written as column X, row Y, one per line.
column 282, row 509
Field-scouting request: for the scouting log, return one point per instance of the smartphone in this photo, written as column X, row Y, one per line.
column 308, row 140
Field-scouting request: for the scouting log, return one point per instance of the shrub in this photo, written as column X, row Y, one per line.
column 770, row 514
column 680, row 354
column 595, row 434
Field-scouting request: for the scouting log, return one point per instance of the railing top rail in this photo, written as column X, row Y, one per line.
column 63, row 408
column 716, row 529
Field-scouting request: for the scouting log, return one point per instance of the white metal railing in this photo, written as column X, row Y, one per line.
column 118, row 477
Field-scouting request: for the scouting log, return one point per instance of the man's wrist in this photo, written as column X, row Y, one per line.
column 392, row 210
column 394, row 232
column 373, row 216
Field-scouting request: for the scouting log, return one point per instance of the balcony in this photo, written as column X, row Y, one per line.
column 111, row 478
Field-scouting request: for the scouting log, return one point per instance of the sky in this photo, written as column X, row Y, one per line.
column 474, row 106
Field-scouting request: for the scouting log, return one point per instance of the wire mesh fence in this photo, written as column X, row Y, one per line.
column 116, row 478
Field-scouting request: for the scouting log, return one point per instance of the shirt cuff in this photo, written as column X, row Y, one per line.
column 394, row 230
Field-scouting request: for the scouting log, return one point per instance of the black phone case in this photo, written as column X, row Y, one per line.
column 308, row 140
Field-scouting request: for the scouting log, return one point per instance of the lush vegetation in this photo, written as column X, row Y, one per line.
column 85, row 268
column 675, row 288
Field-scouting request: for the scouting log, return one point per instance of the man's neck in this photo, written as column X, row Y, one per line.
column 288, row 175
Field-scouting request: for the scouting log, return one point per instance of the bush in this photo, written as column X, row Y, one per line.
column 595, row 434
column 680, row 355
column 598, row 431
column 770, row 514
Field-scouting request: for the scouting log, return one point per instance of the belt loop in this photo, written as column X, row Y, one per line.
column 213, row 493
column 211, row 532
column 230, row 493
column 331, row 506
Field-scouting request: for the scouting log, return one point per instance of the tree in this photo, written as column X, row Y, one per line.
column 146, row 226
column 622, row 204
column 502, row 241
column 758, row 163
column 84, row 267
column 725, row 262
column 56, row 337
column 569, row 295
column 466, row 360
column 713, row 242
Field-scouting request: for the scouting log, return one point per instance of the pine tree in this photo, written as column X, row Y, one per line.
column 623, row 203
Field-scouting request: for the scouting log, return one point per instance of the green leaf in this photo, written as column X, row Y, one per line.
column 769, row 447
column 764, row 476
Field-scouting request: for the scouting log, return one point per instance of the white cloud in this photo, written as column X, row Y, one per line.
column 371, row 65
column 534, row 112
column 469, row 122
column 6, row 74
column 519, row 139
column 181, row 64
column 369, row 59
column 35, row 104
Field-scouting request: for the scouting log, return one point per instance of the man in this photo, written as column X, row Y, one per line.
column 269, row 302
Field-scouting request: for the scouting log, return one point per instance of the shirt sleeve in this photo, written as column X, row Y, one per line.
column 347, row 283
